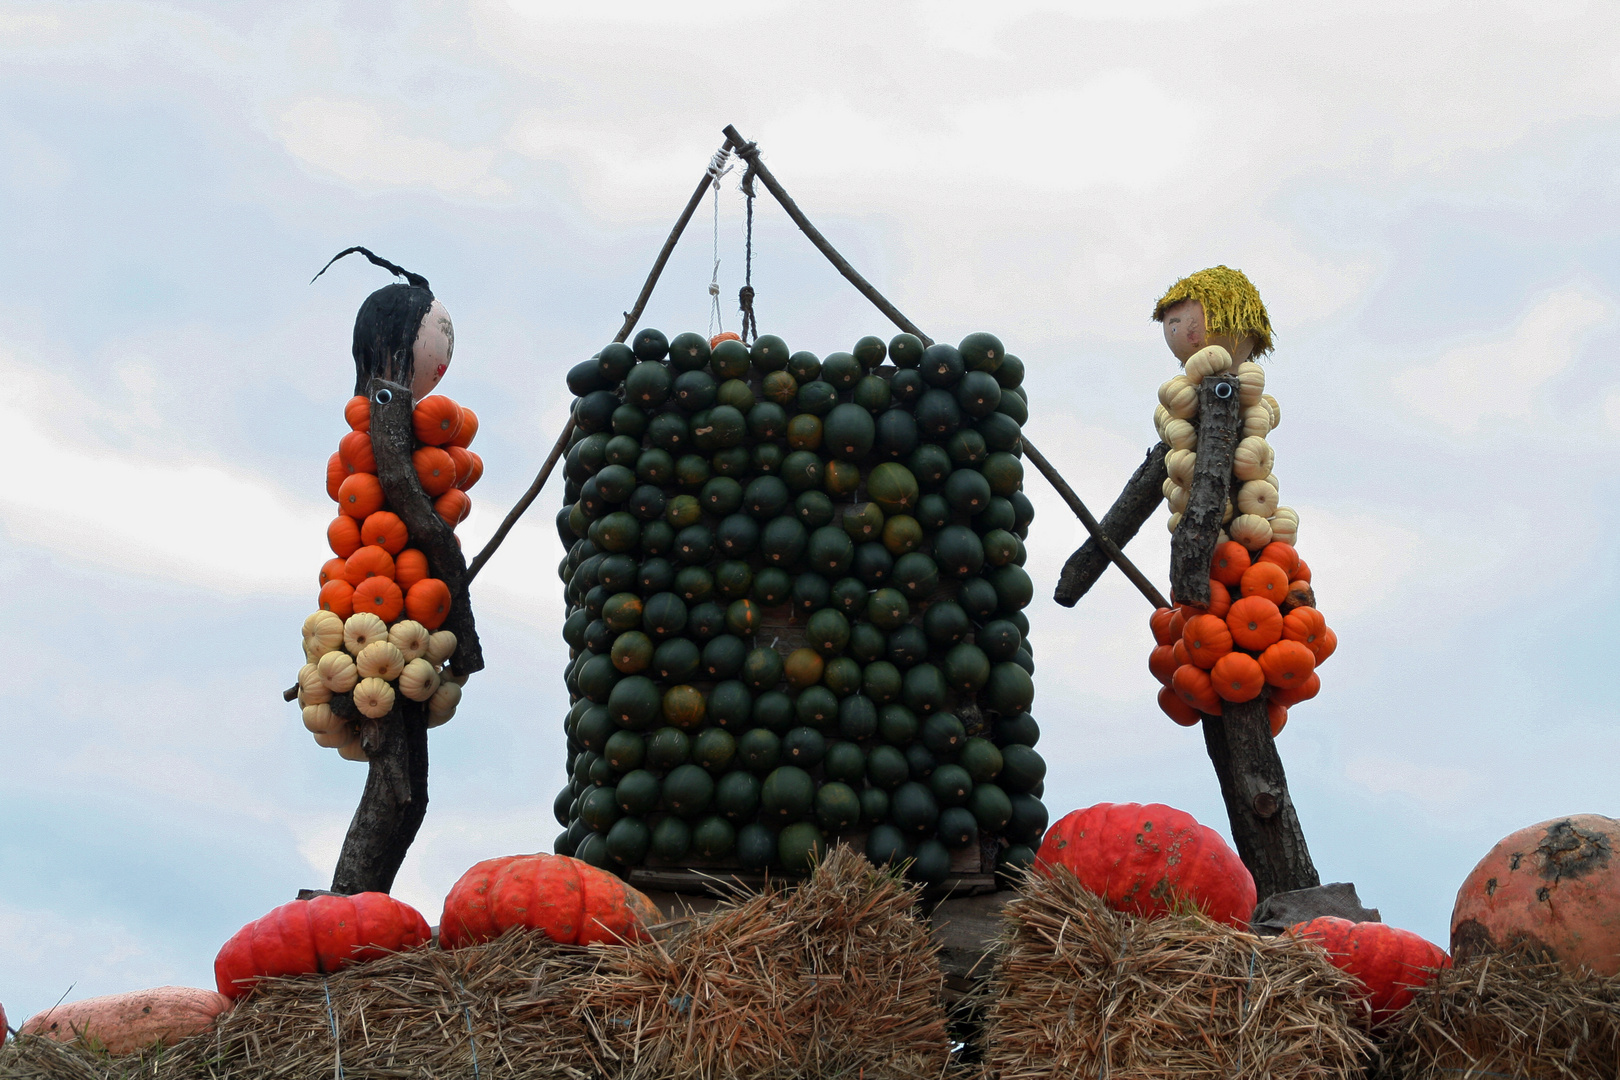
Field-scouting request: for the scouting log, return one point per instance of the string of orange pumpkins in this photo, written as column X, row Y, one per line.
column 376, row 633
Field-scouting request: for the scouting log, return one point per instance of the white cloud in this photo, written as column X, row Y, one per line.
column 358, row 143
column 1499, row 376
column 1432, row 785
column 650, row 12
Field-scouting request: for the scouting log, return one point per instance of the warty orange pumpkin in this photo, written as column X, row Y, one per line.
column 570, row 901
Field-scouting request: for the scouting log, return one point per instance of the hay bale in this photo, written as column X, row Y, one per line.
column 834, row 978
column 1508, row 1015
column 1081, row 990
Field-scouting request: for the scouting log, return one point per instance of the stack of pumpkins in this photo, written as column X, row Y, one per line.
column 377, row 631
column 1253, row 518
column 1259, row 634
column 795, row 591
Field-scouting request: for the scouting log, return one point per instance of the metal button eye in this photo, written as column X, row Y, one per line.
column 1223, row 390
column 384, row 396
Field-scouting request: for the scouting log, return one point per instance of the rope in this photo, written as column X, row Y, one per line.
column 745, row 296
column 331, row 1018
column 471, row 1041
column 719, row 166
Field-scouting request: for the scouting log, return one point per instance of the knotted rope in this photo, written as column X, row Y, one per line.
column 745, row 296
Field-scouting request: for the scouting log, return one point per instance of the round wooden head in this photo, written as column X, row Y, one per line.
column 430, row 355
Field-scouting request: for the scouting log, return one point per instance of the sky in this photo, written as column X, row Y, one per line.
column 1424, row 192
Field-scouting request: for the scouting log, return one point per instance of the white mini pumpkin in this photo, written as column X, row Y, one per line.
column 1175, row 495
column 1210, row 360
column 361, row 629
column 319, row 717
column 1179, row 398
column 419, row 680
column 1250, row 530
column 1256, row 422
column 409, row 637
column 441, row 646
column 353, row 750
column 1284, row 529
column 1251, row 383
column 325, row 629
column 1271, row 478
column 1180, row 465
column 442, row 705
column 380, row 660
column 311, row 691
column 1161, row 416
column 374, row 698
column 1287, row 512
column 1180, row 435
column 1173, row 523
column 1229, row 513
column 1257, row 497
column 1252, row 459
column 335, row 736
column 337, row 672
column 1276, row 409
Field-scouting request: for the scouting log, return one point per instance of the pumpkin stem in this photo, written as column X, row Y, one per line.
column 416, row 280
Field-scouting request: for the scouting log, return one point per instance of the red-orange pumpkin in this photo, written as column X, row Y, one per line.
column 316, row 937
column 1176, row 709
column 436, row 420
column 125, row 1023
column 1192, row 684
column 1207, row 640
column 1389, row 962
column 354, row 451
column 410, row 566
column 343, row 536
column 1148, row 859
column 360, row 495
column 453, row 506
column 1228, row 563
column 1161, row 661
column 571, row 901
column 428, row 602
column 1552, row 889
column 336, row 473
column 469, row 428
column 380, row 596
column 1159, row 623
column 386, row 531
column 357, row 411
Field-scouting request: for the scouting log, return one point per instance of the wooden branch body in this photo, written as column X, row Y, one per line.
column 1219, row 420
column 393, row 804
column 1265, row 827
column 1143, row 493
column 392, row 441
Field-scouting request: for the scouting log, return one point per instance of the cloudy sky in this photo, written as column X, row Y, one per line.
column 1424, row 192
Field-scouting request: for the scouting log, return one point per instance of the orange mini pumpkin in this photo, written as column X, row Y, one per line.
column 1282, row 554
column 1277, row 713
column 435, row 470
column 1207, row 640
column 354, row 450
column 1303, row 573
column 410, row 566
column 1178, row 622
column 724, row 335
column 386, row 531
column 1161, row 661
column 436, row 420
column 1294, row 695
column 332, row 570
column 368, row 561
column 469, row 427
column 1325, row 645
column 1220, row 600
column 453, row 506
column 338, row 598
column 1176, row 709
column 1229, row 562
column 343, row 536
column 1287, row 664
column 1193, row 685
column 1159, row 623
column 1237, row 676
column 336, row 473
column 360, row 495
column 380, row 596
column 428, row 602
column 469, row 466
column 1265, row 579
column 1255, row 622
column 357, row 412
column 1304, row 625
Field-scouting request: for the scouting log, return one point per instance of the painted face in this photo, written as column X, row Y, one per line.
column 1185, row 333
column 435, row 342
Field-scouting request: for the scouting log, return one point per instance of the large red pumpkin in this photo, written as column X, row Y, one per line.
column 1552, row 889
column 1148, row 859
column 573, row 902
column 316, row 937
column 1389, row 962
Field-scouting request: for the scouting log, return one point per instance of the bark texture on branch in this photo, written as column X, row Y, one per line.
column 1219, row 420
column 1142, row 495
column 1265, row 827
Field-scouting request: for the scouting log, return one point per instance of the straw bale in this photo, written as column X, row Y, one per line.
column 1507, row 1015
column 834, row 978
column 1080, row 990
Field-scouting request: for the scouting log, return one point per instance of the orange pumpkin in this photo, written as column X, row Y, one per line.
column 1178, row 652
column 337, row 597
column 343, row 536
column 1303, row 573
column 1388, row 962
column 1207, row 640
column 1325, row 645
column 724, row 335
column 428, row 602
column 1220, row 600
column 1294, row 695
column 469, row 466
column 336, row 473
column 354, row 450
column 368, row 561
column 453, row 506
column 1229, row 562
column 1176, row 709
column 1304, row 625
column 381, row 596
column 1264, row 579
column 571, row 902
column 410, row 566
column 469, row 427
column 1287, row 664
column 1193, row 685
column 332, row 570
column 1278, row 715
column 357, row 411
column 1159, row 623
column 1237, row 676
column 124, row 1023
column 1178, row 622
column 434, row 469
column 436, row 420
column 316, row 937
column 1283, row 555
column 1161, row 662
column 386, row 531
column 1255, row 623
column 1552, row 889
column 360, row 495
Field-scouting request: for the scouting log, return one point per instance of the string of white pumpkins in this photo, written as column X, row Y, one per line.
column 375, row 661
column 1256, row 519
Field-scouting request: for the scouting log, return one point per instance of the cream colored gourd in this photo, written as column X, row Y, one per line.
column 1287, row 512
column 1276, row 409
column 446, row 675
column 380, row 660
column 1258, row 498
column 441, row 646
column 353, row 750
column 1176, row 496
column 319, row 717
column 311, row 691
column 409, row 637
column 313, row 651
column 419, row 680
column 325, row 629
column 1179, row 464
column 1173, row 523
column 334, row 736
column 361, row 629
column 1210, row 360
column 337, row 672
column 1252, row 459
column 1256, row 422
column 1181, row 435
column 1229, row 513
column 374, row 698
column 1251, row 383
column 1271, row 478
column 442, row 705
column 1284, row 529
column 1180, row 398
column 1252, row 531
column 1161, row 416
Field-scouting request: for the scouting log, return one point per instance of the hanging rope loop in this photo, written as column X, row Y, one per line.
column 745, row 296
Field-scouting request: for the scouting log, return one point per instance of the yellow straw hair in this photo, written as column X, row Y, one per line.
column 1231, row 304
